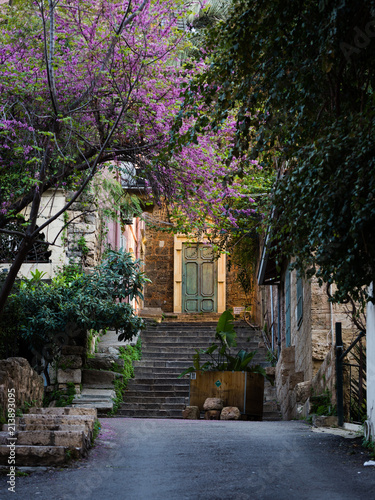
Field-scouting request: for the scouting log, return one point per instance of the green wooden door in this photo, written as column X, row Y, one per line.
column 199, row 279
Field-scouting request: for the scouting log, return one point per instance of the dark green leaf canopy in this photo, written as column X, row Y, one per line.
column 299, row 78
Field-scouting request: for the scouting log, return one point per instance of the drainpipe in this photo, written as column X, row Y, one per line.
column 278, row 321
column 272, row 332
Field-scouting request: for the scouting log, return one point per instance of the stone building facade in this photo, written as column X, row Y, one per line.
column 75, row 236
column 299, row 322
column 165, row 267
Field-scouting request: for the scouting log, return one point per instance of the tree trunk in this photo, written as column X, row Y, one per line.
column 12, row 275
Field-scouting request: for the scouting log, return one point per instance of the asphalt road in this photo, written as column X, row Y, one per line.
column 151, row 459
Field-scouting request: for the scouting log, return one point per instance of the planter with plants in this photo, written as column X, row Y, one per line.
column 217, row 373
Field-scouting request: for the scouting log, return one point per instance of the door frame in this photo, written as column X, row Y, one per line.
column 179, row 240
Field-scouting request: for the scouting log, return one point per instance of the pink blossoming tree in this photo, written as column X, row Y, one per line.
column 83, row 84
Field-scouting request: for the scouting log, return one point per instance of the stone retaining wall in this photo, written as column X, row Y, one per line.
column 17, row 375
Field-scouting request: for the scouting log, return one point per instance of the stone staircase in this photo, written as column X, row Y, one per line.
column 47, row 437
column 168, row 349
column 98, row 380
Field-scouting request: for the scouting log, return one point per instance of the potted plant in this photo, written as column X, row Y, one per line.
column 216, row 372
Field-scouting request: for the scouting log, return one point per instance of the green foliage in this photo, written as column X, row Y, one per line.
column 82, row 246
column 61, row 397
column 299, row 78
column 45, row 311
column 219, row 354
column 95, row 432
column 322, row 404
column 370, row 445
column 128, row 354
column 271, row 356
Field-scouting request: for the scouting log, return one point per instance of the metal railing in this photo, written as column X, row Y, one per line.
column 357, row 377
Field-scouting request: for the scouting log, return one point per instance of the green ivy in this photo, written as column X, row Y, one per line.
column 299, row 80
column 128, row 354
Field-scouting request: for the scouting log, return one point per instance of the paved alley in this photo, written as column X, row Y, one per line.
column 144, row 459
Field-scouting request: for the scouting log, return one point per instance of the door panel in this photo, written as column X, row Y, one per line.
column 207, row 279
column 199, row 279
column 191, row 305
column 192, row 278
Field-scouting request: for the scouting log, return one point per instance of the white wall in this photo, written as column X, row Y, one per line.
column 370, row 348
column 49, row 206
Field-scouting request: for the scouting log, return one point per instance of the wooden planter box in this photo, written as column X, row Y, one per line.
column 242, row 389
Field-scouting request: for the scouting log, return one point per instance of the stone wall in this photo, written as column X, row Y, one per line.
column 159, row 263
column 325, row 377
column 159, row 267
column 82, row 236
column 301, row 334
column 17, row 374
column 51, row 203
column 286, row 379
column 235, row 296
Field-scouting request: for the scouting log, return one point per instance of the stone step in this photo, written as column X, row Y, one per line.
column 147, row 388
column 148, row 374
column 102, row 361
column 161, row 413
column 95, row 394
column 183, row 356
column 153, row 406
column 270, row 406
column 166, row 398
column 206, row 335
column 53, row 427
column 158, row 371
column 102, row 399
column 66, row 410
column 34, row 422
column 157, row 381
column 99, row 378
column 198, row 333
column 68, row 439
column 157, row 394
column 36, row 455
column 190, row 348
column 184, row 337
column 167, row 350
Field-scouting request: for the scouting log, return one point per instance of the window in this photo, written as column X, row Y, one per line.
column 299, row 309
column 10, row 244
column 287, row 309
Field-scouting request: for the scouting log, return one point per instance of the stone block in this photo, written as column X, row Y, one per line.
column 213, row 404
column 76, row 350
column 191, row 413
column 303, row 391
column 103, row 361
column 295, row 378
column 230, row 413
column 67, row 410
column 68, row 376
column 17, row 374
column 99, row 378
column 325, row 421
column 35, row 455
column 31, row 422
column 288, row 355
column 70, row 361
column 68, row 439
